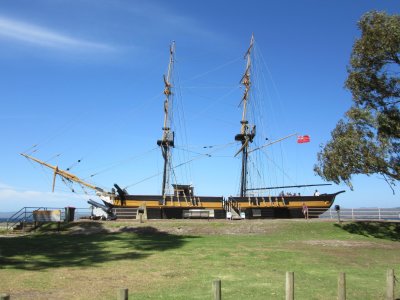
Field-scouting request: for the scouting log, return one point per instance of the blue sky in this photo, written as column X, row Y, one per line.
column 83, row 79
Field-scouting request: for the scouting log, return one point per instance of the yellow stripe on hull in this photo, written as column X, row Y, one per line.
column 168, row 204
column 282, row 204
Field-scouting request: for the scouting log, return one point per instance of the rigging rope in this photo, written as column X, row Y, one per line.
column 51, row 158
column 221, row 146
column 74, row 164
column 30, row 150
column 179, row 165
column 44, row 173
column 112, row 166
column 213, row 70
column 186, row 172
column 68, row 183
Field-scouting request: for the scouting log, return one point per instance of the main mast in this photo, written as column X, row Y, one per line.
column 247, row 132
column 167, row 140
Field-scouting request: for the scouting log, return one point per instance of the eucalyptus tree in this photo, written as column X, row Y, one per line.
column 367, row 139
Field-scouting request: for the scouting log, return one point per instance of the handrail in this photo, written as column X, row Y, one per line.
column 13, row 217
column 235, row 206
column 15, row 214
column 17, row 217
column 25, row 214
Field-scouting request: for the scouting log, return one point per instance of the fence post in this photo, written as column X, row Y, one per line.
column 342, row 286
column 379, row 213
column 4, row 297
column 352, row 213
column 123, row 294
column 289, row 285
column 390, row 284
column 216, row 287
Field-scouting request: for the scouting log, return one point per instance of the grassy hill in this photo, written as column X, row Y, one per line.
column 179, row 259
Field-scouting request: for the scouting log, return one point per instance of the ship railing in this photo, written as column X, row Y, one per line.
column 189, row 200
column 363, row 214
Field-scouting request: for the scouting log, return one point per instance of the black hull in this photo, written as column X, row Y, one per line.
column 281, row 213
column 177, row 213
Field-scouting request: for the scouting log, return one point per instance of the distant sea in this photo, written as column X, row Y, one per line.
column 5, row 215
column 80, row 212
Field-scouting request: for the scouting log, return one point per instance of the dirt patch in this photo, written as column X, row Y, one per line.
column 87, row 227
column 349, row 244
column 176, row 227
column 179, row 227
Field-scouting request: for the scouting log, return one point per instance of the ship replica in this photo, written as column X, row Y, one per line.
column 251, row 202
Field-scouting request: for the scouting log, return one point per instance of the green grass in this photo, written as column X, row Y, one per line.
column 180, row 259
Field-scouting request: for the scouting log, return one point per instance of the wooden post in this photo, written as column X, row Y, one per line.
column 123, row 294
column 342, row 286
column 4, row 297
column 390, row 284
column 289, row 285
column 216, row 287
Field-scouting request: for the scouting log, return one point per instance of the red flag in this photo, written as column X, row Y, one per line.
column 303, row 139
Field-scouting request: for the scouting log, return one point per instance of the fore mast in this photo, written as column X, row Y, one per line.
column 247, row 132
column 167, row 140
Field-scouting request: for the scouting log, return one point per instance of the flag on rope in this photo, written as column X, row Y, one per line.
column 303, row 139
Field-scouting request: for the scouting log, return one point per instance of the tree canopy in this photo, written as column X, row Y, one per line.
column 367, row 140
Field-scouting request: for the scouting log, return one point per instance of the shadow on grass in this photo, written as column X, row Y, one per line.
column 44, row 251
column 381, row 230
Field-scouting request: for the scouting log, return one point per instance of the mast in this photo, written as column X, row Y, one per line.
column 247, row 132
column 167, row 140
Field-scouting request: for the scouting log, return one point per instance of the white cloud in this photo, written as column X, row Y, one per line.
column 4, row 186
column 13, row 199
column 40, row 36
column 161, row 19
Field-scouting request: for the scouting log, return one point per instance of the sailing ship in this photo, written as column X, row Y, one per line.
column 182, row 202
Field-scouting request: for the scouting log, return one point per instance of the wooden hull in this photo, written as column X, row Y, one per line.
column 173, row 207
column 283, row 206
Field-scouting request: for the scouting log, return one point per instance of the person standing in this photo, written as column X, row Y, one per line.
column 305, row 210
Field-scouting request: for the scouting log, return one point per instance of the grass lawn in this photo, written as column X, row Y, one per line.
column 179, row 259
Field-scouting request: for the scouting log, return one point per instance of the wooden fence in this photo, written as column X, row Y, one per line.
column 123, row 294
column 290, row 287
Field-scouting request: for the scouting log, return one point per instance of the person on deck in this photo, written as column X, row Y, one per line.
column 305, row 210
column 316, row 193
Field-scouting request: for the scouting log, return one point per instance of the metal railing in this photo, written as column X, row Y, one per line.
column 363, row 214
column 25, row 215
column 82, row 212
